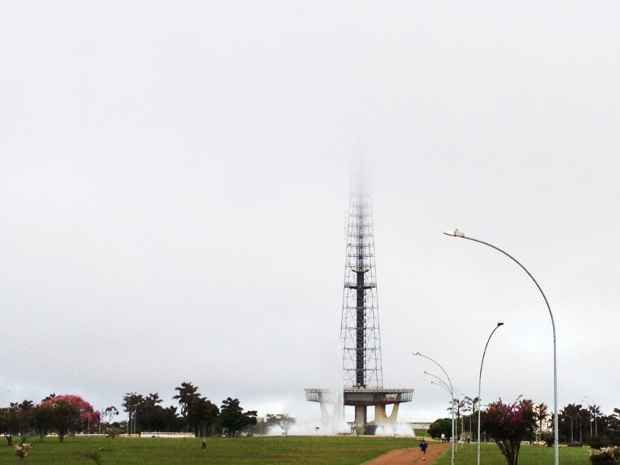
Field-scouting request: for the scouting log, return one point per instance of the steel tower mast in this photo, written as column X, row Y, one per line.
column 360, row 328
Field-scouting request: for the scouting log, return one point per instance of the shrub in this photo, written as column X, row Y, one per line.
column 607, row 456
column 549, row 439
column 599, row 442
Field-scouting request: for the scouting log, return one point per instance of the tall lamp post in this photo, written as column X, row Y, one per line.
column 439, row 381
column 450, row 387
column 445, row 387
column 499, row 324
column 461, row 235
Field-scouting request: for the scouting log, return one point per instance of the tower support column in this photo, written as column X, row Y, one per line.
column 360, row 417
column 380, row 415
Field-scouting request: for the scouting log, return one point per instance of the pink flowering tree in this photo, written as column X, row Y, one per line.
column 69, row 413
column 508, row 425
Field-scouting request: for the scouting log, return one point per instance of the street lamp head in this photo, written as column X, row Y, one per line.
column 416, row 354
column 455, row 233
column 500, row 323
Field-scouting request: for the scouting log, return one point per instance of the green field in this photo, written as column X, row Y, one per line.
column 490, row 455
column 259, row 451
column 242, row 451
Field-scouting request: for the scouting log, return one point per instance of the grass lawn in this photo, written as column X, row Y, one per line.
column 242, row 451
column 490, row 455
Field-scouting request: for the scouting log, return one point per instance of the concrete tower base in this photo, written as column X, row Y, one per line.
column 361, row 399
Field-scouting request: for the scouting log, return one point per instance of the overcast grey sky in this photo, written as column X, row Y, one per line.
column 174, row 178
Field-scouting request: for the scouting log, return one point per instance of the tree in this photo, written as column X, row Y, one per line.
column 203, row 416
column 68, row 413
column 109, row 413
column 583, row 417
column 199, row 413
column 570, row 413
column 541, row 413
column 65, row 417
column 154, row 417
column 459, row 405
column 508, row 425
column 25, row 416
column 469, row 409
column 281, row 420
column 233, row 418
column 18, row 418
column 439, row 427
column 595, row 412
column 12, row 418
column 187, row 395
column 131, row 403
column 43, row 420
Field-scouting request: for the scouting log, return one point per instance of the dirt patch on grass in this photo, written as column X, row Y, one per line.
column 410, row 456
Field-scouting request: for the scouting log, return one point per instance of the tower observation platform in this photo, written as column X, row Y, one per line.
column 361, row 399
column 360, row 329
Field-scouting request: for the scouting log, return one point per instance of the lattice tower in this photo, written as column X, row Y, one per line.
column 360, row 329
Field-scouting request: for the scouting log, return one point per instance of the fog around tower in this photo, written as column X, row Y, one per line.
column 174, row 182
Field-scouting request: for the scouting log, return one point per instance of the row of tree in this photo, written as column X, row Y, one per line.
column 577, row 423
column 71, row 414
column 60, row 414
column 195, row 414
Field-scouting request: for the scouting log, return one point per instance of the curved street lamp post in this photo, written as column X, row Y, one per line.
column 453, row 401
column 448, row 386
column 461, row 235
column 438, row 381
column 499, row 324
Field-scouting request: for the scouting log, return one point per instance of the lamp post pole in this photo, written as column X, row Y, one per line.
column 461, row 235
column 480, row 385
column 444, row 386
column 439, row 381
column 450, row 387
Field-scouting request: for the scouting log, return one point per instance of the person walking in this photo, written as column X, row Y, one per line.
column 423, row 446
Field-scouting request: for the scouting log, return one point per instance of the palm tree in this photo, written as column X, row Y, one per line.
column 584, row 417
column 132, row 403
column 571, row 411
column 469, row 408
column 541, row 412
column 188, row 398
column 460, row 405
column 595, row 412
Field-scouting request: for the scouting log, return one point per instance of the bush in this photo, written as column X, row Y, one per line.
column 599, row 442
column 608, row 456
column 370, row 429
column 549, row 439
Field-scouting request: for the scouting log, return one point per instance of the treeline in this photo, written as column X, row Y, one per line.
column 70, row 414
column 195, row 413
column 578, row 424
column 61, row 414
